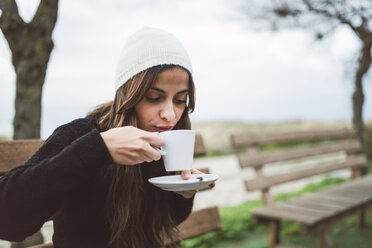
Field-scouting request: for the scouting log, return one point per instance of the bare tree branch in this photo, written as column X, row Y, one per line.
column 8, row 5
column 46, row 15
column 10, row 21
column 10, row 13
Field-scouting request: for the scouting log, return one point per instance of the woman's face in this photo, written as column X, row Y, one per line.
column 163, row 105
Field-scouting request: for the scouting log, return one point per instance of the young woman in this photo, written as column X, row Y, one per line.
column 91, row 174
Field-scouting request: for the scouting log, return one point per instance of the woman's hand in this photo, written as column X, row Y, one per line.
column 186, row 175
column 129, row 145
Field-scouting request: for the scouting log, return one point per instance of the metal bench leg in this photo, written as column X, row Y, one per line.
column 325, row 239
column 274, row 232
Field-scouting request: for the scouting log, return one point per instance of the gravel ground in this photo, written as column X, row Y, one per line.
column 229, row 189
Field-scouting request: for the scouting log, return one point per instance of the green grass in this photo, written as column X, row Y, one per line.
column 239, row 230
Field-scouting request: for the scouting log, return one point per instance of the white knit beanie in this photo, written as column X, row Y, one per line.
column 146, row 48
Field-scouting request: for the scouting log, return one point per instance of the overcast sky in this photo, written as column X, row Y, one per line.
column 240, row 74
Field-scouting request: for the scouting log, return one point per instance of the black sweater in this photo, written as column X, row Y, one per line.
column 64, row 180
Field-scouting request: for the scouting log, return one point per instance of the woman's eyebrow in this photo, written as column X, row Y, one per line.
column 162, row 91
column 157, row 89
column 182, row 91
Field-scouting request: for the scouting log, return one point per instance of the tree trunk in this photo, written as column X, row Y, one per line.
column 358, row 95
column 31, row 45
column 29, row 82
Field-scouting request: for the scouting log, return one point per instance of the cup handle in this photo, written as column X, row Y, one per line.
column 162, row 152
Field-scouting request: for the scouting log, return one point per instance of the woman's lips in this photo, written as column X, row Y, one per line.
column 163, row 128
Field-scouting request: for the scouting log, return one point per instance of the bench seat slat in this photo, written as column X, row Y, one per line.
column 329, row 208
column 363, row 182
column 355, row 185
column 262, row 182
column 317, row 200
column 345, row 203
column 254, row 160
column 357, row 193
column 356, row 198
column 305, row 209
column 277, row 212
column 317, row 204
column 342, row 200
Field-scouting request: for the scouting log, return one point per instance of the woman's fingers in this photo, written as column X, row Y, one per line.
column 153, row 138
column 150, row 152
column 186, row 174
column 129, row 145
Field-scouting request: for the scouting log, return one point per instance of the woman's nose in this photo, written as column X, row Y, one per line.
column 167, row 112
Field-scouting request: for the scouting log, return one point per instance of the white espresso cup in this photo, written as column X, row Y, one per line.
column 178, row 149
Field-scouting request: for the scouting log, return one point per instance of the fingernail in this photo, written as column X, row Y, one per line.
column 186, row 174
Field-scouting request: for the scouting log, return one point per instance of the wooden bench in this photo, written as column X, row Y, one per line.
column 16, row 152
column 315, row 212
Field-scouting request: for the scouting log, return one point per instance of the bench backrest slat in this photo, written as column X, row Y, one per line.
column 199, row 222
column 248, row 139
column 16, row 152
column 261, row 158
column 263, row 182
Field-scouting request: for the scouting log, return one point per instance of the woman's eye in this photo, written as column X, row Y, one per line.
column 153, row 99
column 180, row 101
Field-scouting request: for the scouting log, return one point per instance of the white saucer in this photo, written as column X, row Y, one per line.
column 177, row 183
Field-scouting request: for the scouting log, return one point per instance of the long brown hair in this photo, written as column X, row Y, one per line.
column 127, row 194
